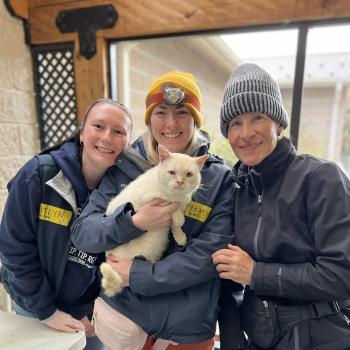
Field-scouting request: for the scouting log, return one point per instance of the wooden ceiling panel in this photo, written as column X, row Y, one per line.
column 38, row 3
column 156, row 17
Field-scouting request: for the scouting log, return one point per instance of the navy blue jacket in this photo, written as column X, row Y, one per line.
column 176, row 297
column 41, row 269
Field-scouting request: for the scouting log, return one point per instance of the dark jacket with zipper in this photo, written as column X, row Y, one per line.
column 41, row 270
column 292, row 216
column 176, row 297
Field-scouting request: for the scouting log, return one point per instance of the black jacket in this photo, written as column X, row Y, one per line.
column 292, row 216
column 302, row 243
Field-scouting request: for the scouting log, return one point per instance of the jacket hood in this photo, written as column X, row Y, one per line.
column 67, row 158
column 203, row 147
column 203, row 144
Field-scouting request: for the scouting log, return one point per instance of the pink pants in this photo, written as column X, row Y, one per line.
column 207, row 345
column 117, row 332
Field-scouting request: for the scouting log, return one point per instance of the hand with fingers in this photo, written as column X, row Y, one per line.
column 154, row 215
column 234, row 264
column 89, row 329
column 65, row 322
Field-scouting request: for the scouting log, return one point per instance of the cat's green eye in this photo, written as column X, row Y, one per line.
column 172, row 172
column 189, row 174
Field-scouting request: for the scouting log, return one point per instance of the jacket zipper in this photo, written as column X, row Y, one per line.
column 279, row 275
column 266, row 307
column 60, row 271
column 346, row 319
column 257, row 231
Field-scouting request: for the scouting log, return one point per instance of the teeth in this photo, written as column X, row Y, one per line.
column 250, row 145
column 171, row 136
column 104, row 150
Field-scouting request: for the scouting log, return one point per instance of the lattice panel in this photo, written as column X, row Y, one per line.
column 56, row 93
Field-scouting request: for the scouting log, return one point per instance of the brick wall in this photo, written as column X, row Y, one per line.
column 18, row 125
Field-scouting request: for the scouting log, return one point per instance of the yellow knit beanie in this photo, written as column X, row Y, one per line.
column 181, row 80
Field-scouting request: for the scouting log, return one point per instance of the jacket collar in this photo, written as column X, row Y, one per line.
column 61, row 184
column 131, row 163
column 137, row 152
column 270, row 168
column 68, row 160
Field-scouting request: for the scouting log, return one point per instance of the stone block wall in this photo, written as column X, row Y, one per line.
column 19, row 138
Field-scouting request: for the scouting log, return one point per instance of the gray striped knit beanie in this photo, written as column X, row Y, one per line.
column 251, row 89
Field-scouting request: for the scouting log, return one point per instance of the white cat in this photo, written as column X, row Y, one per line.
column 175, row 179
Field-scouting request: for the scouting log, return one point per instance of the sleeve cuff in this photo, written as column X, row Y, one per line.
column 265, row 277
column 50, row 317
column 251, row 285
column 131, row 231
column 138, row 276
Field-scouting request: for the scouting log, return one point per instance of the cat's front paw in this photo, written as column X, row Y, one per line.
column 179, row 235
column 180, row 238
column 111, row 281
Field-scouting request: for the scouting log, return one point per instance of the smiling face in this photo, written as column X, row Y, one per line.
column 172, row 126
column 253, row 136
column 105, row 134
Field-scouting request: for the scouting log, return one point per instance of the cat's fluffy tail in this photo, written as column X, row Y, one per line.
column 111, row 281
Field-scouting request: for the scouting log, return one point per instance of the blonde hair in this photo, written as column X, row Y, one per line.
column 151, row 144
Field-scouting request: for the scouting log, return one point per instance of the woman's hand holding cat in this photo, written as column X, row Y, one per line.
column 235, row 264
column 65, row 322
column 122, row 266
column 154, row 215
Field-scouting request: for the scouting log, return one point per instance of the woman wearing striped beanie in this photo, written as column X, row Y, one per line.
column 292, row 242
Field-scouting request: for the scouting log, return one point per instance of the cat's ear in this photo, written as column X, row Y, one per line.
column 163, row 153
column 201, row 160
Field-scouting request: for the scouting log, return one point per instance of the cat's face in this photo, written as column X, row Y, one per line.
column 180, row 175
column 180, row 172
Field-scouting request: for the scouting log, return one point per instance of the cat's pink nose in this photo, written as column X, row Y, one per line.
column 179, row 182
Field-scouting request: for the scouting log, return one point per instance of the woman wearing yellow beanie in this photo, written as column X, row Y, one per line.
column 174, row 299
column 173, row 116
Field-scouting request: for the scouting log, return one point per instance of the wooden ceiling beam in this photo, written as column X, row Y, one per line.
column 182, row 16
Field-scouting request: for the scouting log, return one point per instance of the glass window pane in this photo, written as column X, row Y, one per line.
column 325, row 117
